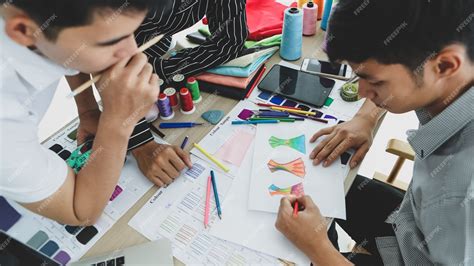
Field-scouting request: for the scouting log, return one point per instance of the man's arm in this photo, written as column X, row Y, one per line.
column 88, row 110
column 228, row 25
column 132, row 90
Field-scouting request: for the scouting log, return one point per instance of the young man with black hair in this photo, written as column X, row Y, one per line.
column 410, row 55
column 228, row 25
column 42, row 41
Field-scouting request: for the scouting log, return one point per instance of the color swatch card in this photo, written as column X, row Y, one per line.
column 66, row 243
column 282, row 167
column 177, row 213
column 229, row 143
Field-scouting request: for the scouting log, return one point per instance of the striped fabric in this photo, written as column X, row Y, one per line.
column 227, row 23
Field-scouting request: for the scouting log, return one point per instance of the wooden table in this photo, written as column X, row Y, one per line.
column 121, row 235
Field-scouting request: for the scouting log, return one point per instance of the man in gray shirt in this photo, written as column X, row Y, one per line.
column 410, row 55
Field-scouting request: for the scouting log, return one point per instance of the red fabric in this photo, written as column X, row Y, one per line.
column 265, row 18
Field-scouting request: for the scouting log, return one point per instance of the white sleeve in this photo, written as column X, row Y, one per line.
column 29, row 172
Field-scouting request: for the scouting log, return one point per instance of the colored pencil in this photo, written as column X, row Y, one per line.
column 216, row 195
column 212, row 158
column 272, row 105
column 281, row 119
column 295, row 210
column 312, row 118
column 293, row 111
column 179, row 124
column 238, row 122
column 96, row 78
column 185, row 141
column 206, row 206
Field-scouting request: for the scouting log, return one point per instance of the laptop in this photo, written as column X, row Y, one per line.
column 13, row 252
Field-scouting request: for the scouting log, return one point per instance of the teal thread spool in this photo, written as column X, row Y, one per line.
column 292, row 37
column 193, row 87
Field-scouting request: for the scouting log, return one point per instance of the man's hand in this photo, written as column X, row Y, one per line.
column 161, row 163
column 304, row 230
column 308, row 231
column 88, row 123
column 356, row 133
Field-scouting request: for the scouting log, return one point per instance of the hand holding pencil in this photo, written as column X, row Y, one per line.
column 304, row 229
column 96, row 78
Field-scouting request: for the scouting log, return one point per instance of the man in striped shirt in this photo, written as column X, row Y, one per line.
column 227, row 23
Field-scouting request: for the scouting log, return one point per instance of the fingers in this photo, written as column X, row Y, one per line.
column 336, row 152
column 285, row 206
column 184, row 156
column 321, row 152
column 163, row 176
column 177, row 162
column 359, row 155
column 146, row 73
column 171, row 171
column 136, row 64
column 322, row 132
column 306, row 202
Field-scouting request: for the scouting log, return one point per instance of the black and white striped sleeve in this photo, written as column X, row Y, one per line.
column 141, row 134
column 228, row 25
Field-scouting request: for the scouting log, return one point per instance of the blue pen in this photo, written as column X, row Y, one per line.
column 216, row 196
column 238, row 122
column 185, row 140
column 179, row 124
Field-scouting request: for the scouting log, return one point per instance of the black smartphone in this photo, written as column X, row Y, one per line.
column 196, row 37
column 297, row 85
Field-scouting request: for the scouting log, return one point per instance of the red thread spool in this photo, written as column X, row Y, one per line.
column 172, row 95
column 187, row 105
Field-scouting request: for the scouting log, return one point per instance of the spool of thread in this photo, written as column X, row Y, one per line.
column 301, row 3
column 350, row 92
column 166, row 113
column 320, row 4
column 172, row 95
column 193, row 86
column 187, row 105
column 292, row 37
column 178, row 81
column 327, row 14
column 310, row 18
column 161, row 82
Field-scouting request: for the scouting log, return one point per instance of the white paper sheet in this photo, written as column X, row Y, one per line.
column 177, row 212
column 253, row 229
column 285, row 168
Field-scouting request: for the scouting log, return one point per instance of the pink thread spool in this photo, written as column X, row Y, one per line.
column 310, row 18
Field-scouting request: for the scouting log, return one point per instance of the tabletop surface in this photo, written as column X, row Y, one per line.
column 121, row 235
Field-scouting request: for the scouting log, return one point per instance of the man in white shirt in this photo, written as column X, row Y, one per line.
column 41, row 43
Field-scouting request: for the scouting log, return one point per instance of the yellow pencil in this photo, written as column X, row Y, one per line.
column 292, row 110
column 96, row 78
column 212, row 158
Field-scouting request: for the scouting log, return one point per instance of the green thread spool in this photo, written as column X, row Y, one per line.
column 350, row 92
column 193, row 87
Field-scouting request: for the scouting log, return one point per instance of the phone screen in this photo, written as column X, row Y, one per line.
column 326, row 67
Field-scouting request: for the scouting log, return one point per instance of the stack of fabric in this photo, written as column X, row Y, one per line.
column 237, row 78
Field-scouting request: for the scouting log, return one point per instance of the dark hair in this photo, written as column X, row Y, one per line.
column 55, row 15
column 407, row 32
